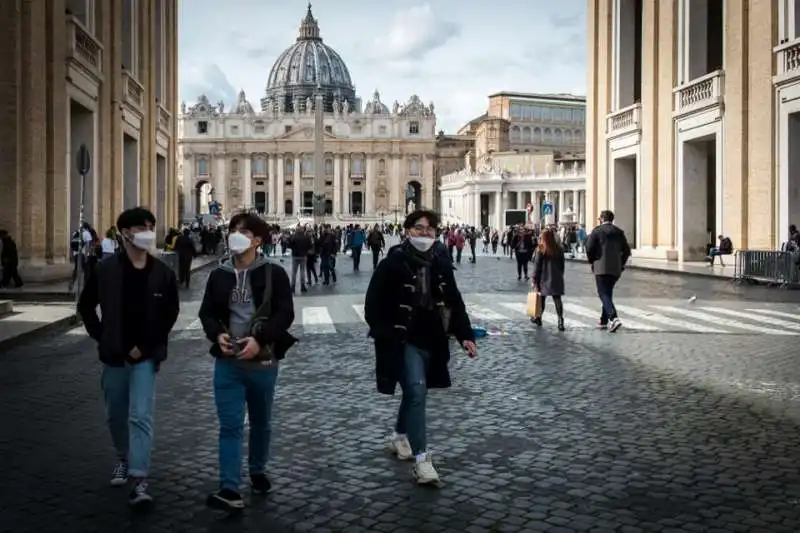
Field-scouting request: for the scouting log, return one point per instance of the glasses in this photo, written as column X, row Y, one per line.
column 425, row 230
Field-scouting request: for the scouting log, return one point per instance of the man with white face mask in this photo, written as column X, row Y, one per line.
column 412, row 306
column 138, row 299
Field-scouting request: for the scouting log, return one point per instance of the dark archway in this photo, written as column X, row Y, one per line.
column 288, row 207
column 413, row 194
column 202, row 197
column 356, row 203
column 328, row 207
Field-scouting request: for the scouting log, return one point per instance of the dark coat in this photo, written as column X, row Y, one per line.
column 215, row 311
column 607, row 250
column 548, row 274
column 104, row 288
column 389, row 308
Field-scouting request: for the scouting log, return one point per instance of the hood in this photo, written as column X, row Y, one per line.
column 227, row 264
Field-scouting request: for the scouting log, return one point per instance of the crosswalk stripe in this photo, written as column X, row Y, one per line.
column 721, row 321
column 773, row 312
column 626, row 322
column 755, row 318
column 195, row 324
column 359, row 309
column 317, row 321
column 547, row 318
column 666, row 320
column 484, row 313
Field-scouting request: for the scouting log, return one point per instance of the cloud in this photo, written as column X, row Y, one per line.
column 208, row 80
column 414, row 33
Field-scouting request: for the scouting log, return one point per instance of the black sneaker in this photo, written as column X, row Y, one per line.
column 260, row 483
column 119, row 476
column 226, row 500
column 139, row 494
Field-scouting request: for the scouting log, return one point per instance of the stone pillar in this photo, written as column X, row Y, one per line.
column 297, row 197
column 476, row 221
column 346, row 188
column 248, row 181
column 428, row 180
column 189, row 188
column 337, row 184
column 369, row 188
column 272, row 193
column 58, row 228
column 498, row 210
column 397, row 196
column 221, row 184
column 561, row 196
column 280, row 178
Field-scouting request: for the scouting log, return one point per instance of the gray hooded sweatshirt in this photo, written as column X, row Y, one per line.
column 241, row 303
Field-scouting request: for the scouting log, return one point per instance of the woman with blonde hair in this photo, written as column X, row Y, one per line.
column 548, row 274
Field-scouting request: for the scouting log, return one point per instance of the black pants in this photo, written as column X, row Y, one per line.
column 327, row 267
column 459, row 251
column 376, row 256
column 605, row 290
column 522, row 264
column 184, row 270
column 10, row 273
column 557, row 301
column 356, row 251
column 472, row 251
column 311, row 268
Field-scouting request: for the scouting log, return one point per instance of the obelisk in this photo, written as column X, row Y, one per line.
column 319, row 157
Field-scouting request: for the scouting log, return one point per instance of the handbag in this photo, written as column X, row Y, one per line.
column 534, row 307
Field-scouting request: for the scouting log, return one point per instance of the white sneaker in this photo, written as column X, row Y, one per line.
column 400, row 446
column 614, row 325
column 425, row 473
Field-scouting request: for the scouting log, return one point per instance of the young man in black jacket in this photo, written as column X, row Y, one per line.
column 607, row 250
column 246, row 313
column 138, row 299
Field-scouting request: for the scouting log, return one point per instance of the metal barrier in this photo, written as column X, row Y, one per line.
column 768, row 267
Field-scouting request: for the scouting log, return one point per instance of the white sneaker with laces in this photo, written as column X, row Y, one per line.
column 614, row 325
column 400, row 447
column 425, row 473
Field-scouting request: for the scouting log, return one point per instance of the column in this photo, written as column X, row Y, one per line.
column 280, row 178
column 271, row 192
column 346, row 188
column 397, row 195
column 369, row 188
column 248, row 181
column 337, row 184
column 428, row 180
column 561, row 196
column 220, row 190
column 189, row 187
column 498, row 210
column 476, row 220
column 296, row 181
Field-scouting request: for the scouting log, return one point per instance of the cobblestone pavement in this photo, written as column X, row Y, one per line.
column 665, row 430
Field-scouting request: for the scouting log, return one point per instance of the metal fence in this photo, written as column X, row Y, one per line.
column 767, row 267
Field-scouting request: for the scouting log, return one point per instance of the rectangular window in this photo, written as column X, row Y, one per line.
column 159, row 52
column 382, row 130
column 627, row 53
column 129, row 27
column 329, row 129
column 202, row 127
column 259, row 128
column 287, row 129
column 234, row 130
column 413, row 127
column 700, row 39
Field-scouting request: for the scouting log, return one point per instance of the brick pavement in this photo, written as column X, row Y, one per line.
column 671, row 432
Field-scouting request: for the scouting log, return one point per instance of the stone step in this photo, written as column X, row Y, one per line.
column 6, row 307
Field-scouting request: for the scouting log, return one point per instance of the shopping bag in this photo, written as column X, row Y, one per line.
column 534, row 307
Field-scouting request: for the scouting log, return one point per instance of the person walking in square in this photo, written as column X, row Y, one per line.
column 607, row 250
column 548, row 274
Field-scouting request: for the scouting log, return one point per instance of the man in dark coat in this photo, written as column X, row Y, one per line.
column 9, row 261
column 607, row 250
column 184, row 247
column 412, row 306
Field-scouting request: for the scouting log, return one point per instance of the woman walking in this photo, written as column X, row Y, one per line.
column 548, row 274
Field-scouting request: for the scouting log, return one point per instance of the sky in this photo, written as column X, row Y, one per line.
column 454, row 54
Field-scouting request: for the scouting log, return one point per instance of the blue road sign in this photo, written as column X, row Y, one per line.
column 547, row 208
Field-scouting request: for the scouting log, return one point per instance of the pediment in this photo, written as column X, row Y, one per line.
column 305, row 133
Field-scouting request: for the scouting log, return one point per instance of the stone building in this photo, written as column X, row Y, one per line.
column 87, row 72
column 694, row 123
column 378, row 159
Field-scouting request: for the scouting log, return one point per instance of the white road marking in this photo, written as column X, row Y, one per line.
column 317, row 321
column 720, row 321
column 359, row 309
column 666, row 320
column 772, row 312
column 547, row 318
column 627, row 323
column 755, row 318
column 484, row 313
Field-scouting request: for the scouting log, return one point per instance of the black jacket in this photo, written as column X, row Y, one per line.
column 301, row 245
column 215, row 309
column 104, row 289
column 607, row 250
column 389, row 308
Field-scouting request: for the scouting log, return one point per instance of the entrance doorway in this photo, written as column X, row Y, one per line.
column 260, row 198
column 699, row 198
column 81, row 132
column 791, row 193
column 356, row 202
column 202, row 197
column 414, row 194
column 308, row 200
column 624, row 196
column 161, row 196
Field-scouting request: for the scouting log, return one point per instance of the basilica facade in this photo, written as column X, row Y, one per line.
column 378, row 159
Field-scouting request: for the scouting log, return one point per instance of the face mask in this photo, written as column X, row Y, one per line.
column 239, row 243
column 144, row 240
column 423, row 244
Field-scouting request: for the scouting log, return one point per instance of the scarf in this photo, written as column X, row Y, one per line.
column 421, row 263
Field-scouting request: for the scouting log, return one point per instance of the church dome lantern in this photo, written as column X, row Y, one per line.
column 305, row 68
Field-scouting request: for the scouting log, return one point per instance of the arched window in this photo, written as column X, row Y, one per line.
column 515, row 134
column 202, row 167
column 308, row 165
column 526, row 134
column 537, row 135
column 288, row 167
column 381, row 167
column 235, row 167
column 329, row 167
column 413, row 167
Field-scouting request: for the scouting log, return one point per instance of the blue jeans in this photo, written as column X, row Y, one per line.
column 605, row 290
column 130, row 393
column 234, row 386
column 411, row 415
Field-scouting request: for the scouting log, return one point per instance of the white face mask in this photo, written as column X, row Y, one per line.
column 423, row 244
column 144, row 240
column 239, row 243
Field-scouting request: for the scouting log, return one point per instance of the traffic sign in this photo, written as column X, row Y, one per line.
column 547, row 208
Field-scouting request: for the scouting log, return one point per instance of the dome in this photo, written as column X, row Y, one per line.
column 375, row 106
column 242, row 106
column 306, row 67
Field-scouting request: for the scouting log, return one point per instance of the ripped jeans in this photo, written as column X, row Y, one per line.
column 411, row 416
